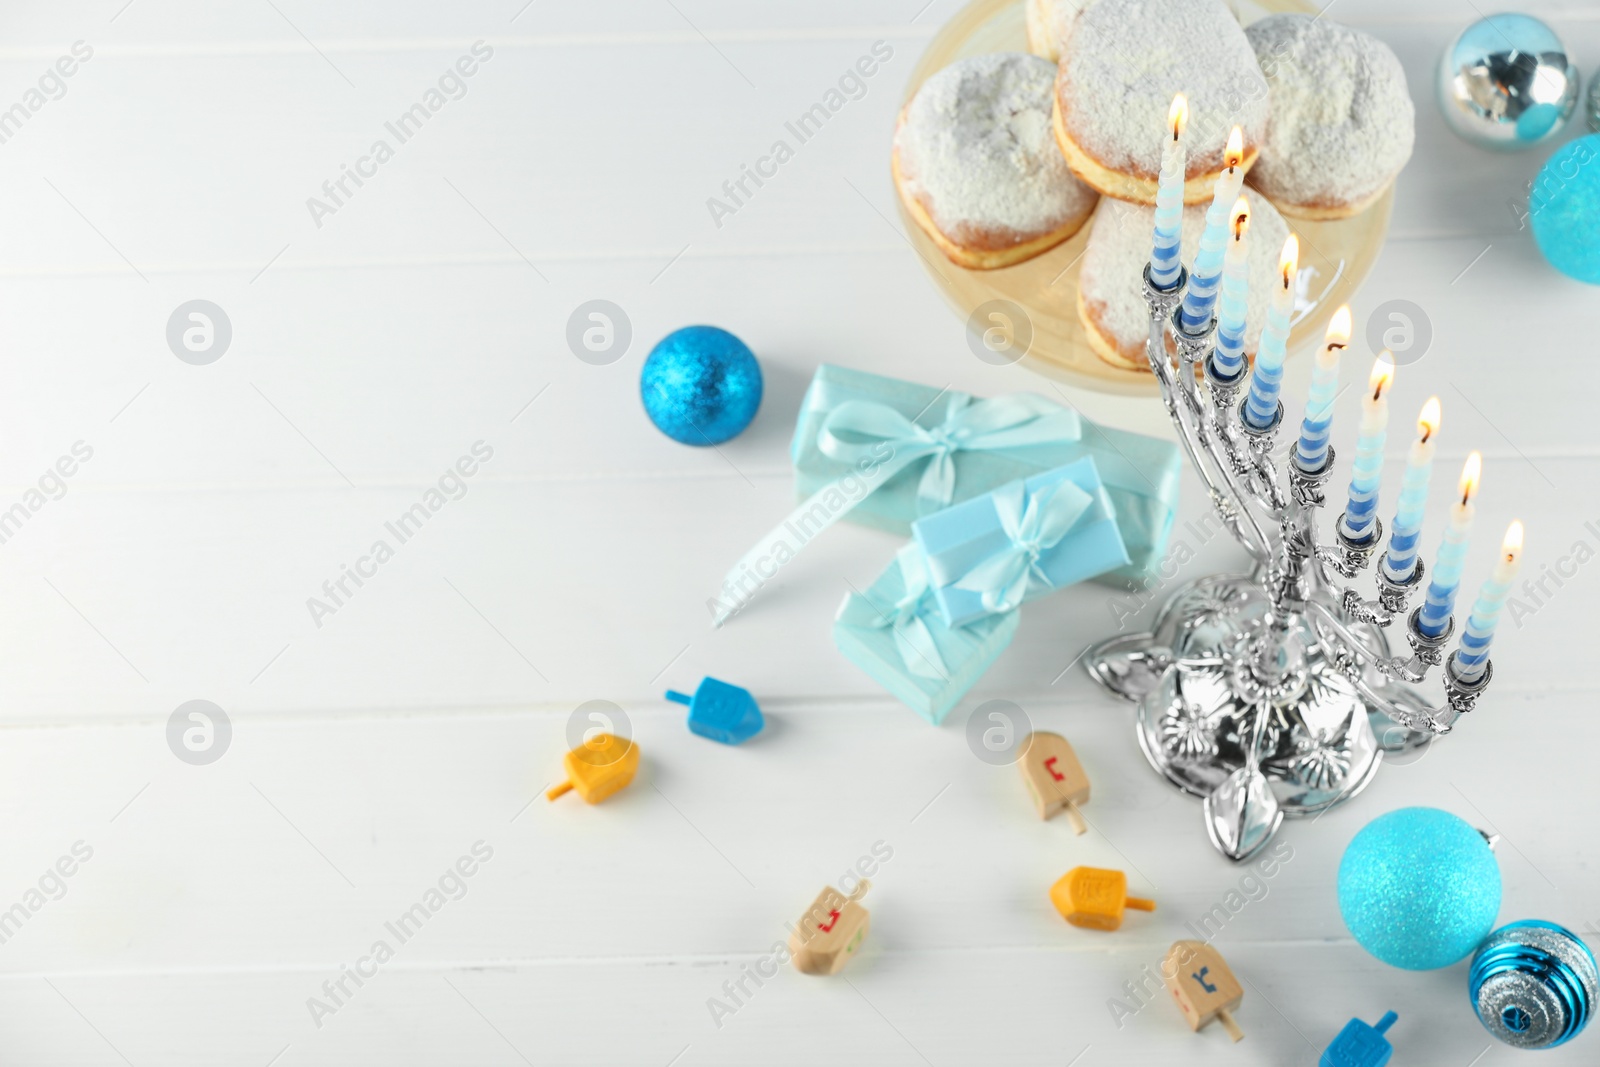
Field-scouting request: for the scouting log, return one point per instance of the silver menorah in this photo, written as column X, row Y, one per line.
column 1273, row 693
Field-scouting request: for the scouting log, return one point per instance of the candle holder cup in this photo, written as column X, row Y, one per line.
column 1271, row 694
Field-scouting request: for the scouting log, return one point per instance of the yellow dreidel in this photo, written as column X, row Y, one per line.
column 1054, row 777
column 830, row 931
column 601, row 766
column 1093, row 897
column 1203, row 986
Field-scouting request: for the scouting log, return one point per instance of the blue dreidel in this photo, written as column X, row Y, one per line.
column 721, row 711
column 1360, row 1045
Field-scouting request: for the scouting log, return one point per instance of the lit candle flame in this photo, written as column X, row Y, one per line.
column 1471, row 475
column 1178, row 117
column 1511, row 547
column 1382, row 376
column 1428, row 421
column 1338, row 335
column 1289, row 262
column 1233, row 155
column 1241, row 218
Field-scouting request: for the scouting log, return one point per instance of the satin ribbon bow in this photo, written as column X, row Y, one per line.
column 912, row 639
column 1034, row 523
column 858, row 429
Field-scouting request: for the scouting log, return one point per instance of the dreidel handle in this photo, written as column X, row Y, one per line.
column 558, row 789
column 679, row 698
column 1225, row 1017
column 1139, row 904
column 1388, row 1020
column 1075, row 817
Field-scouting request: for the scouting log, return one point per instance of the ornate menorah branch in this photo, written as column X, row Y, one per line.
column 1273, row 693
column 1212, row 458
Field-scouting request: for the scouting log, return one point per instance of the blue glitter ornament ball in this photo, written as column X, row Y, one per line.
column 701, row 385
column 1533, row 984
column 1419, row 888
column 1564, row 207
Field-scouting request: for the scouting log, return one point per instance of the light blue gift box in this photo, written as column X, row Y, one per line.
column 895, row 634
column 954, row 447
column 1027, row 538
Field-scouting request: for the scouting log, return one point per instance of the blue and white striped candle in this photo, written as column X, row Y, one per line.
column 1358, row 523
column 1205, row 277
column 1445, row 581
column 1266, row 378
column 1233, row 307
column 1472, row 655
column 1400, row 558
column 1165, row 257
column 1311, row 451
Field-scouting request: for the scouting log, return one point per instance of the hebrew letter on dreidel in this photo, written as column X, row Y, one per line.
column 1054, row 777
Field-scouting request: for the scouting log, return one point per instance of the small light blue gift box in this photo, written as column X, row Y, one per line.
column 1027, row 538
column 895, row 634
column 945, row 447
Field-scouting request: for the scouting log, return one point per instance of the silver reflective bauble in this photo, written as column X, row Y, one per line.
column 1534, row 984
column 1507, row 82
column 1594, row 102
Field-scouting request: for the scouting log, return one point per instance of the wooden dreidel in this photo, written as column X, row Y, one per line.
column 604, row 764
column 720, row 711
column 1203, row 986
column 1054, row 777
column 830, row 931
column 1093, row 898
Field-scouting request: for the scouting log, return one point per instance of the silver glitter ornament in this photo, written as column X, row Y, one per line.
column 1506, row 82
column 1533, row 984
column 1594, row 102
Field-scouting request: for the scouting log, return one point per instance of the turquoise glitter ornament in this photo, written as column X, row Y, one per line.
column 1564, row 207
column 1533, row 984
column 1419, row 888
column 701, row 385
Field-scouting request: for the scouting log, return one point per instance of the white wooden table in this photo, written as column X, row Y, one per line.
column 371, row 752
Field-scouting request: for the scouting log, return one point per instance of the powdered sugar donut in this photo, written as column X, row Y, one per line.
column 1050, row 24
column 1342, row 123
column 1111, row 300
column 1125, row 61
column 978, row 168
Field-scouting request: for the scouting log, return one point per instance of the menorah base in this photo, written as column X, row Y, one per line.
column 1256, row 747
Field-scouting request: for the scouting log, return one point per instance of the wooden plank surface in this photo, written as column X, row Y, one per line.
column 374, row 750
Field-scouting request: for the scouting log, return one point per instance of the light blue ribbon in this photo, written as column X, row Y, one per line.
column 912, row 638
column 1034, row 523
column 857, row 429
